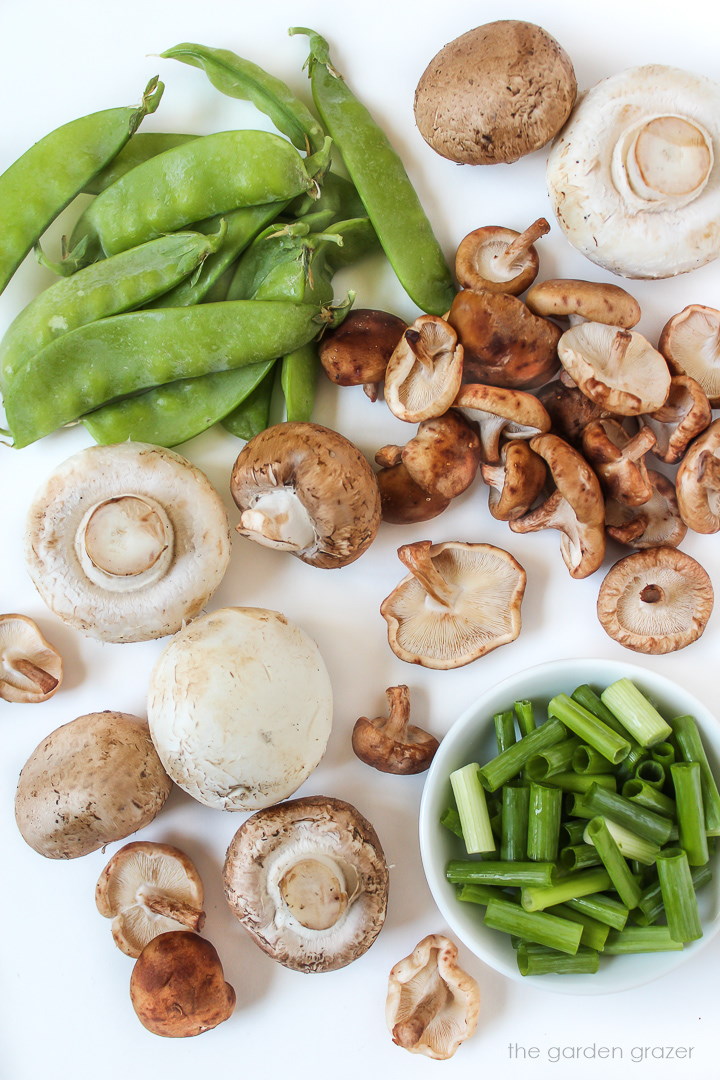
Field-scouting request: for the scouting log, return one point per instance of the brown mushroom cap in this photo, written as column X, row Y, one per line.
column 515, row 482
column 499, row 411
column 499, row 259
column 655, row 601
column 357, row 351
column 698, row 482
column 306, row 489
column 307, row 879
column 569, row 410
column 496, row 93
column 690, row 342
column 656, row 523
column 425, row 370
column 442, row 457
column 391, row 743
column 504, row 343
column 597, row 301
column 685, row 414
column 619, row 459
column 432, row 1005
column 178, row 988
column 459, row 602
column 617, row 369
column 403, row 501
column 31, row 669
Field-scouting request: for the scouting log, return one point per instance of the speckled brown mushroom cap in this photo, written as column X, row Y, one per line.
column 655, row 601
column 500, row 412
column 391, row 743
column 596, row 301
column 442, row 457
column 690, row 342
column 307, row 879
column 697, row 482
column 403, row 501
column 31, row 669
column 618, row 458
column 515, row 482
column 357, row 351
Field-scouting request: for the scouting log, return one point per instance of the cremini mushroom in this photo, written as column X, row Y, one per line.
column 617, row 369
column 240, row 708
column 148, row 889
column 632, row 176
column 432, row 1005
column 304, row 488
column 90, row 782
column 127, row 542
column 698, row 482
column 442, row 457
column 575, row 506
column 31, row 669
column 690, row 342
column 504, row 343
column 495, row 94
column 178, row 987
column 656, row 523
column 575, row 299
column 515, row 482
column 391, row 743
column 655, row 601
column 309, row 882
column 357, row 351
column 685, row 414
column 500, row 412
column 403, row 501
column 618, row 458
column 499, row 259
column 425, row 370
column 459, row 602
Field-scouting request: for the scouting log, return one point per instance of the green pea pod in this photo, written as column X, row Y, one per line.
column 240, row 78
column 298, row 378
column 120, row 283
column 123, row 354
column 390, row 200
column 338, row 201
column 211, row 175
column 253, row 415
column 271, row 246
column 142, row 146
column 41, row 183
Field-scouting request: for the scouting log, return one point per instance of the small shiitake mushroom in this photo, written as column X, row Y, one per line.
column 31, row 669
column 391, row 743
column 357, row 351
column 178, row 987
column 499, row 259
column 403, row 501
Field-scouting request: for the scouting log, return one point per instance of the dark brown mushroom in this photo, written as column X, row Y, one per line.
column 403, row 501
column 357, row 351
column 656, row 523
column 685, row 414
column 391, row 743
column 619, row 459
column 499, row 259
column 442, row 457
column 515, row 482
column 569, row 409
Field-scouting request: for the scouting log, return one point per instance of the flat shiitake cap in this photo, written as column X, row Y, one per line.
column 655, row 601
column 690, row 342
column 31, row 669
column 501, row 411
column 617, row 369
column 442, row 457
column 596, row 301
column 697, row 482
column 307, row 878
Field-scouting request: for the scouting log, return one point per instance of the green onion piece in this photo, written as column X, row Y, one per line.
column 603, row 908
column 636, row 714
column 594, row 933
column 478, row 894
column 450, row 819
column 504, row 729
column 515, row 803
column 679, row 899
column 686, row 778
column 591, row 700
column 544, row 814
column 536, row 926
column 623, row 881
column 525, row 712
column 691, row 747
column 539, row 960
column 663, row 753
column 580, row 783
column 506, row 765
column 472, row 808
column 617, row 808
column 556, row 759
column 631, row 845
column 579, row 856
column 571, row 832
column 641, row 939
column 584, row 883
column 651, row 901
column 652, row 772
column 586, row 759
column 644, row 794
column 498, row 872
column 589, row 728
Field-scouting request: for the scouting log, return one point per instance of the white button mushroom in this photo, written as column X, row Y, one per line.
column 240, row 708
column 127, row 542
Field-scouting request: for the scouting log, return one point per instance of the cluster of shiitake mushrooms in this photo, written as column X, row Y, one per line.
column 558, row 404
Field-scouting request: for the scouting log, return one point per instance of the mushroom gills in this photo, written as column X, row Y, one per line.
column 279, row 519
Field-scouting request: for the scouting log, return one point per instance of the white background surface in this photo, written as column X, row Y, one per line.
column 64, row 985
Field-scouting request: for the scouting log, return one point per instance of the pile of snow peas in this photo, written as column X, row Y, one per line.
column 590, row 832
column 202, row 267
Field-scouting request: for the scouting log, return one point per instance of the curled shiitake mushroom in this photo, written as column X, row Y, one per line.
column 391, row 743
column 31, row 668
column 425, row 370
column 499, row 259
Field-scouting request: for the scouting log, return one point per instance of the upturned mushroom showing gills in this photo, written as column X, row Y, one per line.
column 698, row 482
column 425, row 370
column 391, row 743
column 459, row 602
column 31, row 669
column 499, row 259
column 690, row 342
column 304, row 488
column 309, row 882
column 240, row 708
column 632, row 176
column 617, row 369
column 127, row 542
column 432, row 1005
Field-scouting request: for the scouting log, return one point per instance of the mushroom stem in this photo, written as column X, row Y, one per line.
column 408, row 1032
column 171, row 908
column 415, row 340
column 44, row 681
column 398, row 698
column 708, row 472
column 525, row 241
column 636, row 448
column 388, row 456
column 620, row 345
column 652, row 594
column 419, row 562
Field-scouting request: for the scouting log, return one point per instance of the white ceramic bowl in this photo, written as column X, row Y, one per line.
column 472, row 738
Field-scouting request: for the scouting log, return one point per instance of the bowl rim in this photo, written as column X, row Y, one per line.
column 617, row 976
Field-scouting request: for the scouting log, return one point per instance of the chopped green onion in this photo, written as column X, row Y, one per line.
column 636, row 714
column 652, row 772
column 556, row 759
column 637, row 818
column 580, row 783
column 504, row 729
column 586, row 759
column 663, row 753
column 690, row 744
column 686, row 778
column 584, row 883
column 525, row 712
column 544, row 813
column 679, row 899
column 506, row 765
column 589, row 728
column 603, row 908
column 515, row 804
column 450, row 819
column 630, row 845
column 536, row 926
column 535, row 959
column 618, row 870
column 478, row 894
column 641, row 939
column 594, row 933
column 644, row 794
column 472, row 808
column 497, row 872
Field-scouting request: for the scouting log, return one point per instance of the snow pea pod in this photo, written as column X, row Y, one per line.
column 390, row 200
column 240, row 78
column 298, row 378
column 253, row 415
column 142, row 146
column 124, row 354
column 41, row 183
column 210, row 175
column 123, row 282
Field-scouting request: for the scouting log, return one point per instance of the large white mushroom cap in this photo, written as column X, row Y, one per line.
column 240, row 708
column 634, row 176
